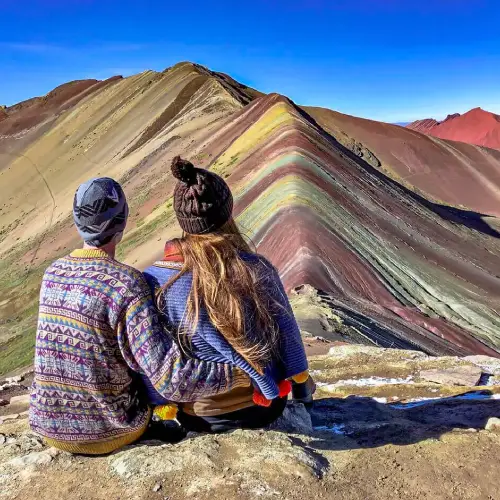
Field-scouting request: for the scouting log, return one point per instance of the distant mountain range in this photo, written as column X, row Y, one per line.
column 477, row 126
column 385, row 220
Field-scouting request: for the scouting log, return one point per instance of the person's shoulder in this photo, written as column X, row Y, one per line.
column 258, row 260
column 162, row 272
column 154, row 276
column 164, row 268
column 61, row 264
column 131, row 277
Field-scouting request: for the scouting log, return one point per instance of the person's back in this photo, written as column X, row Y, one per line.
column 287, row 359
column 84, row 387
column 98, row 331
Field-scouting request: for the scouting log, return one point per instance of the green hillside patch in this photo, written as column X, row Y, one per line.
column 146, row 230
column 17, row 352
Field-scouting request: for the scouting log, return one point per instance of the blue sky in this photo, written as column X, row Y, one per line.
column 390, row 60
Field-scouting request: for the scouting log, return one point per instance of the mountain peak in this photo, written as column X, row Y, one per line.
column 450, row 117
column 477, row 126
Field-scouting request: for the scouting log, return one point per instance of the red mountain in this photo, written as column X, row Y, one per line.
column 475, row 127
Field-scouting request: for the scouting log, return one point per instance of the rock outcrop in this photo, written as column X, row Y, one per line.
column 378, row 429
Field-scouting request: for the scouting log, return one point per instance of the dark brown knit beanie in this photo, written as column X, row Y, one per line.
column 202, row 200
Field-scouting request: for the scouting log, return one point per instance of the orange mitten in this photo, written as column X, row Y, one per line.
column 285, row 387
column 300, row 378
column 166, row 412
column 260, row 400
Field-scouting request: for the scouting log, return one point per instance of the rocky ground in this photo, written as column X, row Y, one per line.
column 386, row 424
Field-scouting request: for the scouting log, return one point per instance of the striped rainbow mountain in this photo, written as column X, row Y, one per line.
column 398, row 231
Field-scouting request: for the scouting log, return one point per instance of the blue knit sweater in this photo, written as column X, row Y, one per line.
column 208, row 343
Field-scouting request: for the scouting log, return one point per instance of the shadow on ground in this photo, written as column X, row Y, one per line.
column 369, row 424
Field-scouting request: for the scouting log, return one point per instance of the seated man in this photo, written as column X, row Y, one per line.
column 97, row 329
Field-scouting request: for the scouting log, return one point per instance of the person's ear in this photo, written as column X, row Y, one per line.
column 118, row 237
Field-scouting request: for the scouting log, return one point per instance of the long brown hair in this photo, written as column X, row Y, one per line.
column 227, row 287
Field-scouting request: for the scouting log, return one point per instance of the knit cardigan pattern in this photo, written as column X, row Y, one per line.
column 207, row 342
column 98, row 328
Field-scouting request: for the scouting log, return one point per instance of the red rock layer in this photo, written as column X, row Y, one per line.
column 474, row 127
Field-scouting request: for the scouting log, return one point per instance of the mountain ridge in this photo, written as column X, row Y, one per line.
column 476, row 126
column 450, row 173
column 325, row 196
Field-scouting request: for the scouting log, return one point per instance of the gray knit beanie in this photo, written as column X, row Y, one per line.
column 202, row 200
column 100, row 210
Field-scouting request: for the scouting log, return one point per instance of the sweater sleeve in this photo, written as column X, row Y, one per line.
column 219, row 344
column 149, row 349
column 292, row 351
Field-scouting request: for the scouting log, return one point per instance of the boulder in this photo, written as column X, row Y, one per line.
column 14, row 380
column 295, row 419
column 250, row 456
column 486, row 363
column 19, row 404
column 11, row 416
column 35, row 458
column 26, row 443
column 466, row 375
column 19, row 400
column 493, row 424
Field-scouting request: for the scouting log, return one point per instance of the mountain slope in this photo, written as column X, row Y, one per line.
column 475, row 127
column 425, row 125
column 331, row 221
column 128, row 130
column 314, row 190
column 452, row 173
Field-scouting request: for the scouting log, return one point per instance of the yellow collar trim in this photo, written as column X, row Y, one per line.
column 89, row 253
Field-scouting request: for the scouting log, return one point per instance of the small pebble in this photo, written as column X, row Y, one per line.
column 157, row 487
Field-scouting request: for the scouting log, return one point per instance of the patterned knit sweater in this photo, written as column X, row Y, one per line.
column 98, row 325
column 208, row 343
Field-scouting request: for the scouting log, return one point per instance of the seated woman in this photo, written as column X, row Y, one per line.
column 226, row 304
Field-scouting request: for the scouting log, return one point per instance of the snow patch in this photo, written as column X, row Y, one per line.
column 338, row 429
column 367, row 382
column 413, row 403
